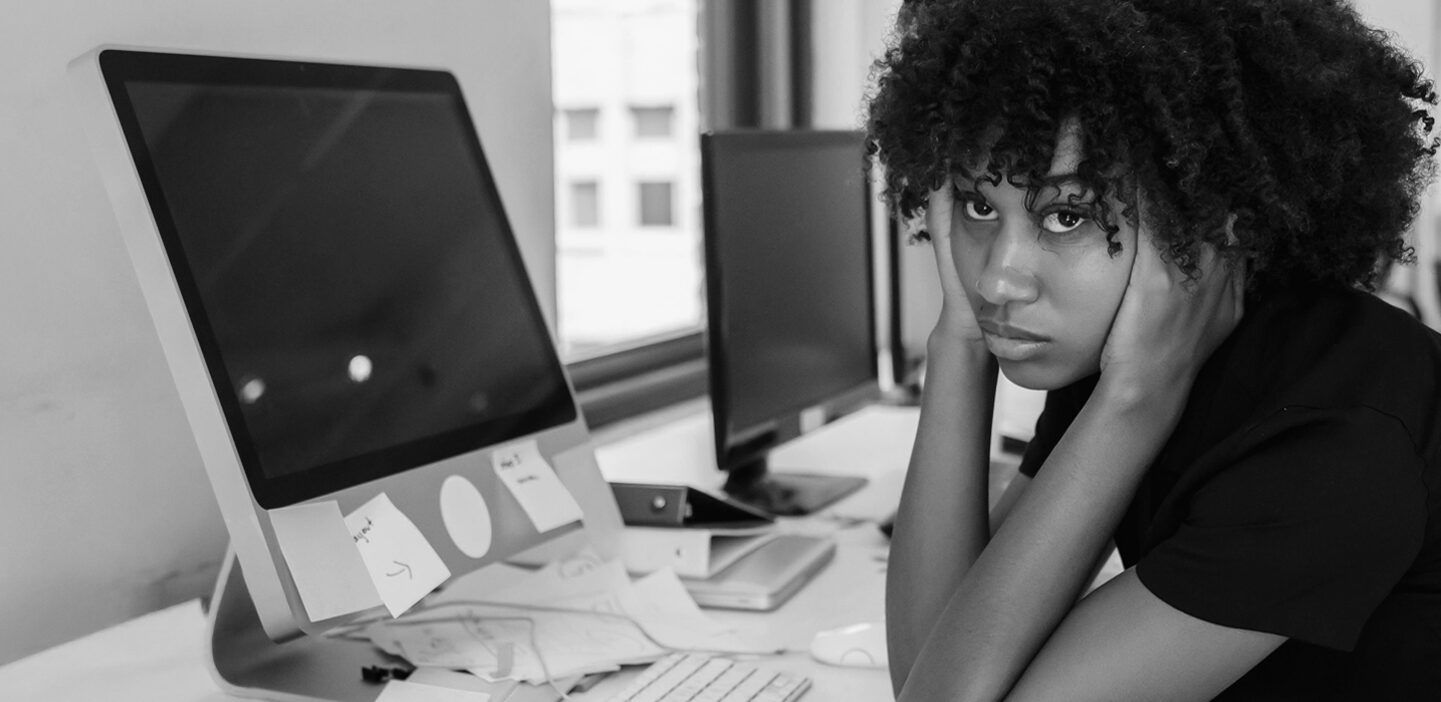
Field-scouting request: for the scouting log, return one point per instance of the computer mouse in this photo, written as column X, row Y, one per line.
column 858, row 645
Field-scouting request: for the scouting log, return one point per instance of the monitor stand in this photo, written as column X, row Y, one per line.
column 247, row 663
column 787, row 494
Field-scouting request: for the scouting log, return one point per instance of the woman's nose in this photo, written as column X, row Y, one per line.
column 1007, row 276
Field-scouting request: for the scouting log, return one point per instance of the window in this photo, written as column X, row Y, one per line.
column 624, row 281
column 630, row 291
column 656, row 209
column 582, row 124
column 652, row 121
column 585, row 204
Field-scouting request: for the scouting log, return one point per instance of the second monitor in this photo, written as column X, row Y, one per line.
column 791, row 339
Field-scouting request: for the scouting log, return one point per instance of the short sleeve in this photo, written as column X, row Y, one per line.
column 1062, row 406
column 1303, row 533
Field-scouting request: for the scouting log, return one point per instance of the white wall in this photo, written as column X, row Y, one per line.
column 104, row 509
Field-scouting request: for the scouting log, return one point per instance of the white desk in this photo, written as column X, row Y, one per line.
column 160, row 657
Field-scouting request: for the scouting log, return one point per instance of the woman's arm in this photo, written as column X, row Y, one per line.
column 1124, row 643
column 941, row 524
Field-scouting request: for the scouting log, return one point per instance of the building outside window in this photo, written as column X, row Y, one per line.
column 653, row 121
column 582, row 123
column 585, row 204
column 626, row 280
column 656, row 208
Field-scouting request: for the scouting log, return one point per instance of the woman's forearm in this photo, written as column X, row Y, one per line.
column 1035, row 566
column 941, row 526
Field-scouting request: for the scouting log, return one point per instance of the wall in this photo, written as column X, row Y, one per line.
column 1414, row 23
column 104, row 509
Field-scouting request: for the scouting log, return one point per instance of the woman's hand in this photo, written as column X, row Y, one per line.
column 957, row 324
column 1169, row 324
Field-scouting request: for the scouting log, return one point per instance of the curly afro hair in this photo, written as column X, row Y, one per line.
column 1311, row 128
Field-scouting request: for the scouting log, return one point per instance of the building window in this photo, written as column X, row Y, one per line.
column 582, row 124
column 657, row 208
column 653, row 122
column 585, row 204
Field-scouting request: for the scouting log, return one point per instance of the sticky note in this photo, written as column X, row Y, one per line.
column 401, row 562
column 329, row 574
column 403, row 691
column 535, row 485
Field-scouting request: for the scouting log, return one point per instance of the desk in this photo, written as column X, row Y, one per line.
column 159, row 657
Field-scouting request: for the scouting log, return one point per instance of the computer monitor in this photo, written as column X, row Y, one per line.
column 789, row 293
column 346, row 315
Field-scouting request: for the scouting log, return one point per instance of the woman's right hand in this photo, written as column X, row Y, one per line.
column 957, row 324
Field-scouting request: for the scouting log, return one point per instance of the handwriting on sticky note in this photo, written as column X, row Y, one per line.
column 400, row 561
column 535, row 485
column 328, row 572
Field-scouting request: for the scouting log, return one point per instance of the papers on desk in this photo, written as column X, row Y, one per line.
column 402, row 691
column 577, row 616
column 523, row 643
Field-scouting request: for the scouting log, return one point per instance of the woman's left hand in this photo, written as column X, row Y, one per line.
column 1168, row 324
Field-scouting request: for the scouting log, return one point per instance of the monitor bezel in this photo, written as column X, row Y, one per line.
column 742, row 446
column 271, row 491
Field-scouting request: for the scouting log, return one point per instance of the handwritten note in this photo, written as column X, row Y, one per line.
column 329, row 574
column 401, row 562
column 402, row 691
column 535, row 485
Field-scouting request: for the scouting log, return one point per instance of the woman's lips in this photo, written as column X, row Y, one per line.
column 1012, row 343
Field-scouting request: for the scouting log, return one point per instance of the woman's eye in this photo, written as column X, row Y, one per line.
column 1062, row 221
column 978, row 210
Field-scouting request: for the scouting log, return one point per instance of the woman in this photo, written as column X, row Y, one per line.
column 1165, row 213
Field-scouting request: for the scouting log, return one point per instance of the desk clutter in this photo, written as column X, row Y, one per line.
column 511, row 627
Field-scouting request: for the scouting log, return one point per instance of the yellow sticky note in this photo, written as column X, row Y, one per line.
column 329, row 574
column 401, row 562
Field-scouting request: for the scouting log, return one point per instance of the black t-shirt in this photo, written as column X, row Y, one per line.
column 1300, row 494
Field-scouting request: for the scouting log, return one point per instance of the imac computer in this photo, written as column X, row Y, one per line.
column 791, row 339
column 347, row 317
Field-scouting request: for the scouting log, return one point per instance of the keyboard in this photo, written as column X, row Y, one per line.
column 698, row 677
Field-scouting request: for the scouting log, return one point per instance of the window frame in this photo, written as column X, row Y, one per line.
column 642, row 377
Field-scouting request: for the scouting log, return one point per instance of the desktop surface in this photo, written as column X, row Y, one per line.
column 159, row 657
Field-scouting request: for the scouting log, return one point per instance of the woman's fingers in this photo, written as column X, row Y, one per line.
column 1168, row 322
column 938, row 224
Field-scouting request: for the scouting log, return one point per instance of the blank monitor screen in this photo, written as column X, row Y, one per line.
column 789, row 267
column 346, row 263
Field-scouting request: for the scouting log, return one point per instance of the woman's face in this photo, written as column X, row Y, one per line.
column 1040, row 279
